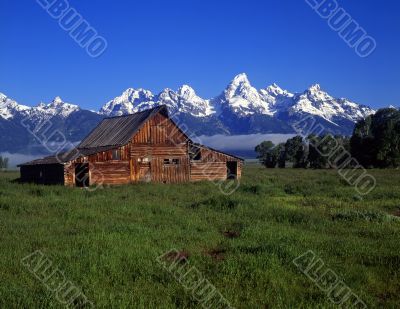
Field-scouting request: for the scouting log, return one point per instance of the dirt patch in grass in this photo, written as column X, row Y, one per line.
column 176, row 256
column 231, row 234
column 217, row 254
column 396, row 213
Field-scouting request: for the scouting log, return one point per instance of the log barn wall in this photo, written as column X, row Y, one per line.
column 159, row 152
column 212, row 165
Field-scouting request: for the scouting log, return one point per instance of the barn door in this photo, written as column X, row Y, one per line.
column 144, row 172
column 82, row 175
column 172, row 171
column 232, row 170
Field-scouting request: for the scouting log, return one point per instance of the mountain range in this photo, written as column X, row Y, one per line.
column 240, row 109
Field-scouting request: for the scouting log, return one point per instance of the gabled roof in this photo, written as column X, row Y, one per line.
column 117, row 131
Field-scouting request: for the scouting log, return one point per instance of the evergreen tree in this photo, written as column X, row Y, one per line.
column 267, row 154
column 296, row 152
column 376, row 140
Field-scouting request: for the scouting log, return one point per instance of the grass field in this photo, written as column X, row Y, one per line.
column 107, row 241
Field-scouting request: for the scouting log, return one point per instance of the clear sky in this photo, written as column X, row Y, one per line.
column 156, row 44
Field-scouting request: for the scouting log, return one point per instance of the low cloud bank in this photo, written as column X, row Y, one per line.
column 241, row 142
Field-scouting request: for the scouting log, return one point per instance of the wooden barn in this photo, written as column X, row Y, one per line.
column 143, row 147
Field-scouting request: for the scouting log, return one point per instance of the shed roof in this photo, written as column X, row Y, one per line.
column 67, row 156
column 219, row 151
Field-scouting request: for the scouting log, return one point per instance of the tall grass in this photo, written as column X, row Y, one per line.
column 107, row 241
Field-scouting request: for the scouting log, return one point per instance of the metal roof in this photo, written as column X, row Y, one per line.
column 67, row 156
column 117, row 131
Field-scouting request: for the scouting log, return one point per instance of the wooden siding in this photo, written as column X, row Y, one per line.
column 112, row 172
column 208, row 171
column 109, row 173
column 170, row 173
column 212, row 165
column 69, row 174
column 159, row 139
column 159, row 130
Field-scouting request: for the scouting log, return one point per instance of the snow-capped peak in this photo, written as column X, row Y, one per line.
column 185, row 100
column 242, row 98
column 9, row 108
column 317, row 102
column 186, row 92
column 57, row 101
column 275, row 90
column 57, row 107
column 240, row 79
column 315, row 93
column 314, row 88
column 127, row 102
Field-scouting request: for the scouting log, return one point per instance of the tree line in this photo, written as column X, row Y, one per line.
column 375, row 143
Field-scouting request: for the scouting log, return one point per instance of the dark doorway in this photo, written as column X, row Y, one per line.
column 232, row 169
column 82, row 175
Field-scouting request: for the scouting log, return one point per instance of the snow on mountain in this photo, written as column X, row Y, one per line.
column 57, row 107
column 127, row 103
column 190, row 102
column 242, row 98
column 317, row 102
column 185, row 100
column 276, row 98
column 239, row 109
column 9, row 108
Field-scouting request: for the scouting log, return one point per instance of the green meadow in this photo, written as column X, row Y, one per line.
column 107, row 241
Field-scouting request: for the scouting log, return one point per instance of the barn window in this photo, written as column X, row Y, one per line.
column 195, row 153
column 116, row 154
column 171, row 161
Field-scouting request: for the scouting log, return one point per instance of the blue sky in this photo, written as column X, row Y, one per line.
column 157, row 44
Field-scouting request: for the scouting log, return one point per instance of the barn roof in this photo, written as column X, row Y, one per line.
column 67, row 156
column 117, row 131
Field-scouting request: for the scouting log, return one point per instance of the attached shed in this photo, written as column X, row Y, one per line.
column 143, row 147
